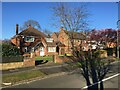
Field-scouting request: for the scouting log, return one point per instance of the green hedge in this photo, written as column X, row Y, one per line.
column 9, row 50
column 110, row 51
column 12, row 59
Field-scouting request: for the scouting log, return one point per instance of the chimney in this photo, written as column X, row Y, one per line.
column 29, row 25
column 61, row 28
column 17, row 29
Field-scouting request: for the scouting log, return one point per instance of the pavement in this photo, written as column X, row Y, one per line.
column 60, row 77
column 47, row 68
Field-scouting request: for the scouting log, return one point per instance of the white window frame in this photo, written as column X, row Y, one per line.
column 32, row 49
column 49, row 39
column 29, row 37
column 51, row 49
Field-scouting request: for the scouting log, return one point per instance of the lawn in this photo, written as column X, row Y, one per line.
column 49, row 58
column 16, row 77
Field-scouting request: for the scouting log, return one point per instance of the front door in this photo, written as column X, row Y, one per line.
column 62, row 51
column 41, row 51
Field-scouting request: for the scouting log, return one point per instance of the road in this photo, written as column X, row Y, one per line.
column 74, row 80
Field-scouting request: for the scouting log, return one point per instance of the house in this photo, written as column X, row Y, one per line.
column 32, row 40
column 64, row 40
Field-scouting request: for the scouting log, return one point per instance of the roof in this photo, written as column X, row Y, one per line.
column 76, row 35
column 57, row 33
column 30, row 31
column 51, row 44
column 36, row 42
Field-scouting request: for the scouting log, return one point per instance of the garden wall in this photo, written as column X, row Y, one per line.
column 13, row 65
column 60, row 59
column 26, row 62
column 29, row 62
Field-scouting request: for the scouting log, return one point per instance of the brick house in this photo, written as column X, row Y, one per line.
column 33, row 40
column 63, row 39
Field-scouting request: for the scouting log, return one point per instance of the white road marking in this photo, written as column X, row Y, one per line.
column 102, row 80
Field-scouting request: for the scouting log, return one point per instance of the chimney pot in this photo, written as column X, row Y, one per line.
column 29, row 25
column 61, row 28
column 17, row 29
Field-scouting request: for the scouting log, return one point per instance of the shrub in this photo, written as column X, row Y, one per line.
column 109, row 51
column 9, row 50
column 12, row 59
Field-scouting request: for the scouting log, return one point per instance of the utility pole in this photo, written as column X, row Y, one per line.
column 118, row 28
column 118, row 39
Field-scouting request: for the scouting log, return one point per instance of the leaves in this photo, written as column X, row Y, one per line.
column 108, row 35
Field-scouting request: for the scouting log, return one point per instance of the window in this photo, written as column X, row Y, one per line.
column 51, row 49
column 32, row 49
column 41, row 49
column 49, row 39
column 25, row 49
column 29, row 39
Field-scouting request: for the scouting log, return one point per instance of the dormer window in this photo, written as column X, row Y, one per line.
column 29, row 39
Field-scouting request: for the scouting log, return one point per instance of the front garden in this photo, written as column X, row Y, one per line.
column 45, row 58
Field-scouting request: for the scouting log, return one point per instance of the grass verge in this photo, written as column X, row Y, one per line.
column 16, row 77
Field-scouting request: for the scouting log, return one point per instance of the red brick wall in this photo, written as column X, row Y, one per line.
column 60, row 59
column 63, row 37
column 29, row 61
column 55, row 38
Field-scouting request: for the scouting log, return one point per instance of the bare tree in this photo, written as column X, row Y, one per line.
column 72, row 19
column 48, row 32
column 33, row 23
column 92, row 67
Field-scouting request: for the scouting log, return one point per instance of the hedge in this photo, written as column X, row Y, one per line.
column 9, row 50
column 12, row 59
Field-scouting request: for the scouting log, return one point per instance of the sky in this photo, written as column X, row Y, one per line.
column 103, row 15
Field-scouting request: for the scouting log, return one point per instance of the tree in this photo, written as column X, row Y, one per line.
column 74, row 19
column 92, row 67
column 106, row 35
column 48, row 32
column 33, row 23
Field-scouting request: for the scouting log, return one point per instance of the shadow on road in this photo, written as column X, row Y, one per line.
column 38, row 62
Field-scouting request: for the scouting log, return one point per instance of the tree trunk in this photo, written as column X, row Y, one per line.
column 94, row 87
column 88, row 84
column 101, row 85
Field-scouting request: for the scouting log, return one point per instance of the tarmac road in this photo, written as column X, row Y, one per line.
column 74, row 80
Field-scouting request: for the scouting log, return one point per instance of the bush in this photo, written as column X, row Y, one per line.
column 110, row 51
column 115, row 50
column 12, row 59
column 9, row 50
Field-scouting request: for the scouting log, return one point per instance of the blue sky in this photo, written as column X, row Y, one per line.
column 103, row 15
